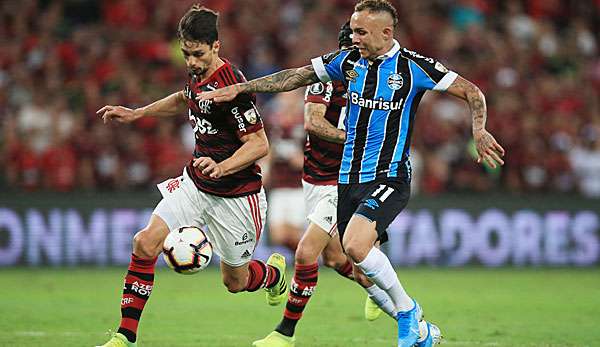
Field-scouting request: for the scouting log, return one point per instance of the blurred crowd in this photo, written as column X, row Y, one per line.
column 536, row 61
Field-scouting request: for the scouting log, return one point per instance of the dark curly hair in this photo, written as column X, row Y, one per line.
column 199, row 24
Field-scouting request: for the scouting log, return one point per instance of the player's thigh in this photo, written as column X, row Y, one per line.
column 235, row 226
column 180, row 206
column 235, row 278
column 311, row 245
column 323, row 206
column 346, row 206
column 286, row 207
column 359, row 237
column 381, row 203
column 324, row 199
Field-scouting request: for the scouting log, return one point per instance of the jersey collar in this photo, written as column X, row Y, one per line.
column 395, row 48
column 214, row 74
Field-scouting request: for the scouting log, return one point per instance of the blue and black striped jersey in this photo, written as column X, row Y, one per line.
column 383, row 96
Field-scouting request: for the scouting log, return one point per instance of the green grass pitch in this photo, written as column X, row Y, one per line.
column 473, row 306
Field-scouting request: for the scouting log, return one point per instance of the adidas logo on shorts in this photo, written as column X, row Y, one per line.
column 246, row 254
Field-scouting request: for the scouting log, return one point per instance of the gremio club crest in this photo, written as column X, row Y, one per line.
column 395, row 81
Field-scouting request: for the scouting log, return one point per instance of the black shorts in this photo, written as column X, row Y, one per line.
column 380, row 201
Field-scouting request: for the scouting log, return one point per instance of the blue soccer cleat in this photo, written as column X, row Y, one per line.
column 430, row 335
column 408, row 326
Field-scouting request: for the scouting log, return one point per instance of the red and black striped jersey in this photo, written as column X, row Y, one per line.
column 321, row 157
column 218, row 128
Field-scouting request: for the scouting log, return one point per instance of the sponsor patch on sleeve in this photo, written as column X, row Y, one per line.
column 251, row 116
column 440, row 67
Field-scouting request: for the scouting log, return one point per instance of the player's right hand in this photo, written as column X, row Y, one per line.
column 118, row 113
column 220, row 95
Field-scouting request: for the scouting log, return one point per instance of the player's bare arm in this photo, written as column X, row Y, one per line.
column 172, row 105
column 316, row 124
column 282, row 81
column 255, row 147
column 488, row 149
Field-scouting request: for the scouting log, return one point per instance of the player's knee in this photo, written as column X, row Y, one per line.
column 333, row 263
column 334, row 258
column 305, row 253
column 234, row 285
column 144, row 246
column 355, row 250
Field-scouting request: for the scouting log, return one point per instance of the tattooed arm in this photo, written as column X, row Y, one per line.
column 281, row 81
column 488, row 149
column 316, row 124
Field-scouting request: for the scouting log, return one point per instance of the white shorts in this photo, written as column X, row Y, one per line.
column 286, row 206
column 234, row 224
column 321, row 202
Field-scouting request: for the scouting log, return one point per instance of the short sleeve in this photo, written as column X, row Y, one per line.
column 319, row 93
column 243, row 115
column 328, row 67
column 429, row 73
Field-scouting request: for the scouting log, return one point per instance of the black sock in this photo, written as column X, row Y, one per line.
column 287, row 327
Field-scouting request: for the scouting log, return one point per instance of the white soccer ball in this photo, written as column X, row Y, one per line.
column 187, row 250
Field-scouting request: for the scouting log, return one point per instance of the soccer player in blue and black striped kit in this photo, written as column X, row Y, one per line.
column 385, row 83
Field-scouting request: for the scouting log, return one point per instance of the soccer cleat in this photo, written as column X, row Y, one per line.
column 408, row 326
column 372, row 311
column 277, row 294
column 118, row 340
column 275, row 339
column 430, row 334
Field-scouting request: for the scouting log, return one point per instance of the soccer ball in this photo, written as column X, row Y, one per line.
column 187, row 250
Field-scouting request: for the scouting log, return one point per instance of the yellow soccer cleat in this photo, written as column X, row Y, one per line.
column 275, row 339
column 372, row 311
column 118, row 340
column 277, row 294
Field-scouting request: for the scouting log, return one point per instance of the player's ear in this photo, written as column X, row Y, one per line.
column 216, row 46
column 388, row 33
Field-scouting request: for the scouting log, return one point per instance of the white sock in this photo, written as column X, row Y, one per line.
column 378, row 268
column 382, row 300
column 422, row 331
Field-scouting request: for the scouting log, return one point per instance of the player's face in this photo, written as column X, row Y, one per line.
column 199, row 57
column 372, row 33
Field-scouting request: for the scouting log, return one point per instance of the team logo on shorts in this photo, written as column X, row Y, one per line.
column 372, row 204
column 395, row 81
column 245, row 240
column 172, row 185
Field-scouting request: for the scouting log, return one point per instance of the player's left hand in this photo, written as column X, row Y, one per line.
column 209, row 167
column 488, row 150
column 220, row 95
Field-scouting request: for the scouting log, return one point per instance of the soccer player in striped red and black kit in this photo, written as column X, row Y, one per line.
column 220, row 187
